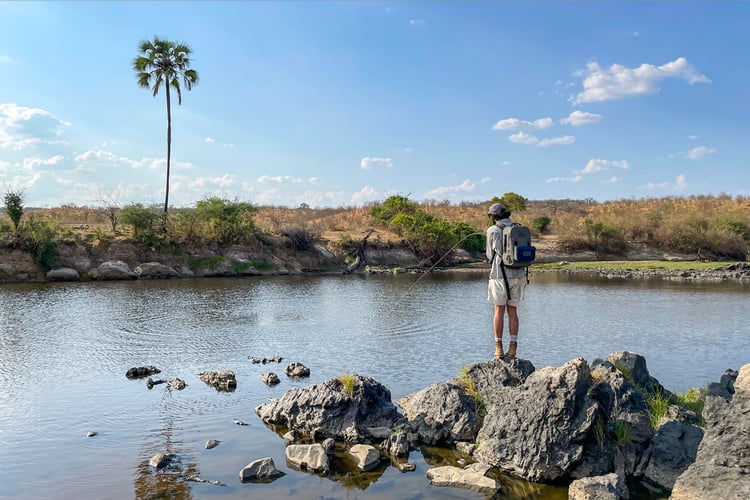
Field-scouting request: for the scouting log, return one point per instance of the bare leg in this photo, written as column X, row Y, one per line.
column 513, row 329
column 497, row 325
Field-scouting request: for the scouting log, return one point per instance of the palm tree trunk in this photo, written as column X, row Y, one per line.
column 169, row 147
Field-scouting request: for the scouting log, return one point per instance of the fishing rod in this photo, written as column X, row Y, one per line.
column 440, row 260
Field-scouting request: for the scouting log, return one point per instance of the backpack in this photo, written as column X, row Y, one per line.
column 517, row 249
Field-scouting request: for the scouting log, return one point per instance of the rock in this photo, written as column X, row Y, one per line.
column 150, row 383
column 538, row 430
column 405, row 467
column 177, row 383
column 290, row 437
column 274, row 359
column 673, row 450
column 297, row 370
column 114, row 270
column 634, row 366
column 722, row 464
column 328, row 410
column 90, row 434
column 142, row 371
column 63, row 274
column 310, row 457
column 223, row 380
column 718, row 396
column 442, row 413
column 261, row 469
column 150, row 270
column 212, row 443
column 161, row 460
column 239, row 422
column 466, row 447
column 270, row 378
column 366, row 456
column 397, row 444
column 607, row 487
column 378, row 432
column 456, row 477
column 328, row 445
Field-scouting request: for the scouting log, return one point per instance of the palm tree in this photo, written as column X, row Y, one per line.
column 168, row 63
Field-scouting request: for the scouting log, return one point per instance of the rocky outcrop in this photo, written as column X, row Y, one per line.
column 442, row 414
column 673, row 450
column 471, row 478
column 330, row 410
column 722, row 464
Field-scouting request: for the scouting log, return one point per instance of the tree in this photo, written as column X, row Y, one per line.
column 514, row 202
column 14, row 206
column 167, row 63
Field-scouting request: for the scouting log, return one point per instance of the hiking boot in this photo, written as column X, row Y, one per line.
column 512, row 349
column 499, row 350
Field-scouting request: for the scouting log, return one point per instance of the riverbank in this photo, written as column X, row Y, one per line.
column 124, row 259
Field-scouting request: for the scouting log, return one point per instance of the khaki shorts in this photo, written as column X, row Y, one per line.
column 496, row 292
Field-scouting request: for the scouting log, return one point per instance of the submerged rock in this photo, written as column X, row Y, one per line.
column 270, row 378
column 261, row 469
column 223, row 380
column 366, row 456
column 456, row 477
column 309, row 457
column 142, row 371
column 297, row 370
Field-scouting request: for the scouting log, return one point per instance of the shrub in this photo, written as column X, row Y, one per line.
column 38, row 237
column 541, row 223
column 300, row 239
column 14, row 207
column 225, row 221
column 141, row 219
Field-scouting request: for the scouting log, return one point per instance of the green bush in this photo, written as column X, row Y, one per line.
column 38, row 236
column 14, row 207
column 541, row 224
column 141, row 218
column 225, row 221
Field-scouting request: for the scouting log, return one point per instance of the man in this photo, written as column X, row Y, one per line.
column 502, row 280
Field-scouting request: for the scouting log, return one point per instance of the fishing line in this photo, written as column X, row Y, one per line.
column 440, row 260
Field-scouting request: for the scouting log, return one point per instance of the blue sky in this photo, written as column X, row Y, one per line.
column 345, row 103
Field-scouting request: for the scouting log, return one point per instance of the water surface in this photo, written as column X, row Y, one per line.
column 65, row 348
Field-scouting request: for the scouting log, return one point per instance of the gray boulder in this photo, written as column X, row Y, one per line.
column 63, row 274
column 270, row 378
column 456, row 477
column 722, row 464
column 261, row 469
column 634, row 366
column 330, row 410
column 673, row 450
column 297, row 370
column 607, row 487
column 154, row 270
column 366, row 456
column 397, row 444
column 538, row 430
column 114, row 270
column 223, row 380
column 309, row 457
column 442, row 413
column 718, row 396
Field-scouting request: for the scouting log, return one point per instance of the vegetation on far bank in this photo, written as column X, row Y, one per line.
column 712, row 228
column 636, row 265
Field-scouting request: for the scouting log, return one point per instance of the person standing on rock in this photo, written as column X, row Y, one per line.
column 503, row 278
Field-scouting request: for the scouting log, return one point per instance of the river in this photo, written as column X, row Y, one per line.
column 65, row 348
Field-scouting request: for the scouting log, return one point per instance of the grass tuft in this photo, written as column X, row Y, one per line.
column 348, row 381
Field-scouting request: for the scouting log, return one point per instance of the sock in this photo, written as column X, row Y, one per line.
column 514, row 338
column 498, row 340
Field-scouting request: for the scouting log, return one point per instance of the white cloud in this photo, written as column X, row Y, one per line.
column 5, row 59
column 523, row 138
column 619, row 82
column 693, row 137
column 224, row 181
column 210, row 139
column 575, row 179
column 485, row 180
column 22, row 127
column 417, row 22
column 366, row 194
column 680, row 184
column 577, row 118
column 30, row 163
column 91, row 159
column 599, row 165
column 515, row 123
column 505, row 163
column 268, row 197
column 699, row 152
column 319, row 198
column 613, row 180
column 313, row 180
column 557, row 141
column 441, row 192
column 369, row 162
column 280, row 179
